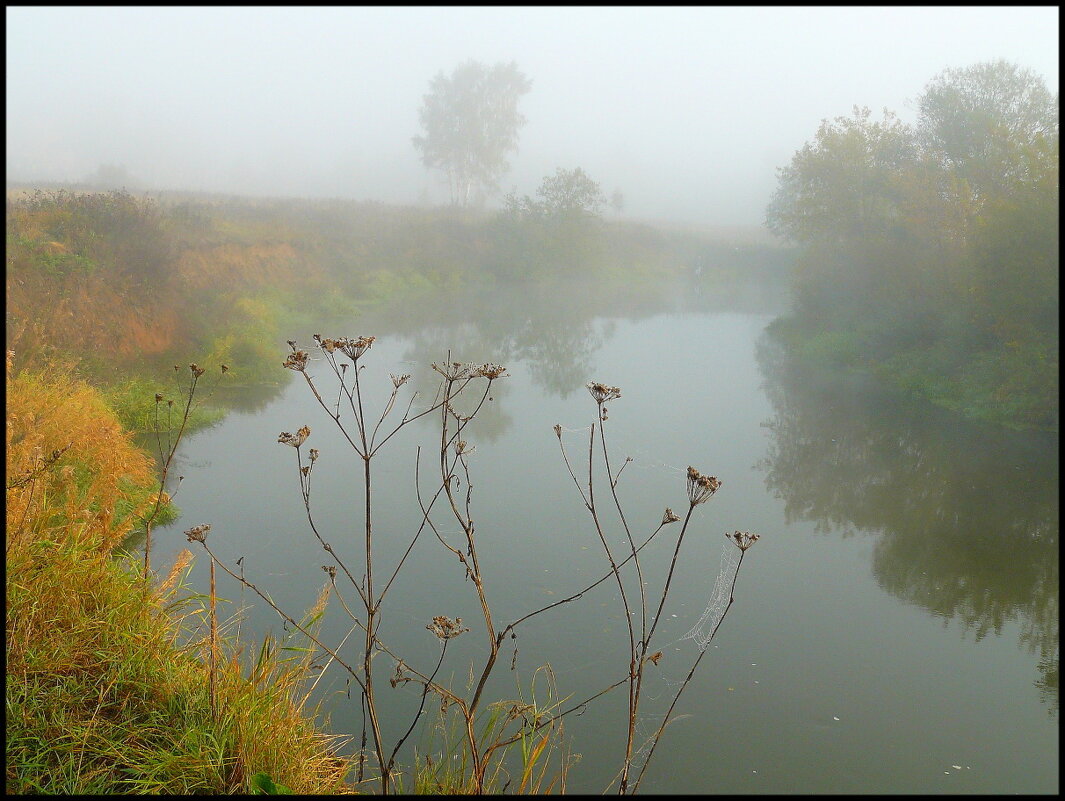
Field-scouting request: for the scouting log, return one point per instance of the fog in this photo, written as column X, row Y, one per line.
column 686, row 111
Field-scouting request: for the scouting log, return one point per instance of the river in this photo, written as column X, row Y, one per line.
column 895, row 627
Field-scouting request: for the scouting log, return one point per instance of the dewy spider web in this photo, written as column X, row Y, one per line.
column 704, row 629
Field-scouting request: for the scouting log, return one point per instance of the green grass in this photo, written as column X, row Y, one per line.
column 102, row 697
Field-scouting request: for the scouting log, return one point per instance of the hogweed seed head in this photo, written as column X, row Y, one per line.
column 700, row 487
column 454, row 371
column 354, row 348
column 669, row 516
column 399, row 380
column 198, row 533
column 603, row 392
column 743, row 539
column 295, row 440
column 297, row 360
column 444, row 628
column 489, row 371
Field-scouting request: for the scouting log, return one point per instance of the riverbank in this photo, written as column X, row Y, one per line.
column 109, row 686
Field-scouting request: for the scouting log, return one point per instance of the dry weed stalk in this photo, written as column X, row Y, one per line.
column 370, row 584
column 165, row 455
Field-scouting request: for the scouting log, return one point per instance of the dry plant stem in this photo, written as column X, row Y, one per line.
column 613, row 482
column 665, row 720
column 40, row 467
column 287, row 618
column 632, row 700
column 466, row 522
column 623, row 785
column 364, row 446
column 672, row 567
column 305, row 487
column 426, row 686
column 25, row 513
column 172, row 445
column 214, row 642
column 575, row 596
column 640, row 649
column 425, row 521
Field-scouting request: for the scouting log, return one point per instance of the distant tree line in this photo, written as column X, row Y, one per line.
column 930, row 251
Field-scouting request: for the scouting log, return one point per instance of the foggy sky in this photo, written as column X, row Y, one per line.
column 688, row 111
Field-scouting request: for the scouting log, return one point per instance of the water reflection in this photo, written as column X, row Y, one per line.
column 967, row 516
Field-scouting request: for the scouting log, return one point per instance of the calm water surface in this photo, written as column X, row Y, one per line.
column 895, row 629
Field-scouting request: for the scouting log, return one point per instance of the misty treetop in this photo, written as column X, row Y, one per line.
column 566, row 193
column 930, row 251
column 471, row 121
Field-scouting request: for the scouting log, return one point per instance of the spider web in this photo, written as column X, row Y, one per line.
column 703, row 631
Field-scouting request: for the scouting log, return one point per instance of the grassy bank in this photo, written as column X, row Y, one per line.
column 1013, row 385
column 109, row 687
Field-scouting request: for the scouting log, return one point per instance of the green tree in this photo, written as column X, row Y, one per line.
column 470, row 123
column 558, row 230
column 843, row 185
column 930, row 253
column 570, row 192
column 567, row 193
column 987, row 124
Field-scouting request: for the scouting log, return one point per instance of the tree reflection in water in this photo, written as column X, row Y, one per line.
column 966, row 515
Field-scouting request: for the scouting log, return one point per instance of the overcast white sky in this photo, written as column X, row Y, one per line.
column 688, row 111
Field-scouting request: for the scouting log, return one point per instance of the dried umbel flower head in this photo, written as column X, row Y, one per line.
column 295, row 440
column 743, row 539
column 700, row 487
column 354, row 348
column 158, row 397
column 399, row 380
column 453, row 371
column 602, row 393
column 198, row 533
column 445, row 628
column 331, row 570
column 314, row 454
column 558, row 430
column 328, row 345
column 297, row 360
column 489, row 371
column 197, row 370
column 669, row 516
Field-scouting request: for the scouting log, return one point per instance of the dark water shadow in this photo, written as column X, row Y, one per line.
column 966, row 514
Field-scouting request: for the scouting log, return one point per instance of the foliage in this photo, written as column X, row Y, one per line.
column 67, row 458
column 471, row 122
column 982, row 121
column 101, row 697
column 559, row 231
column 842, row 185
column 933, row 250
